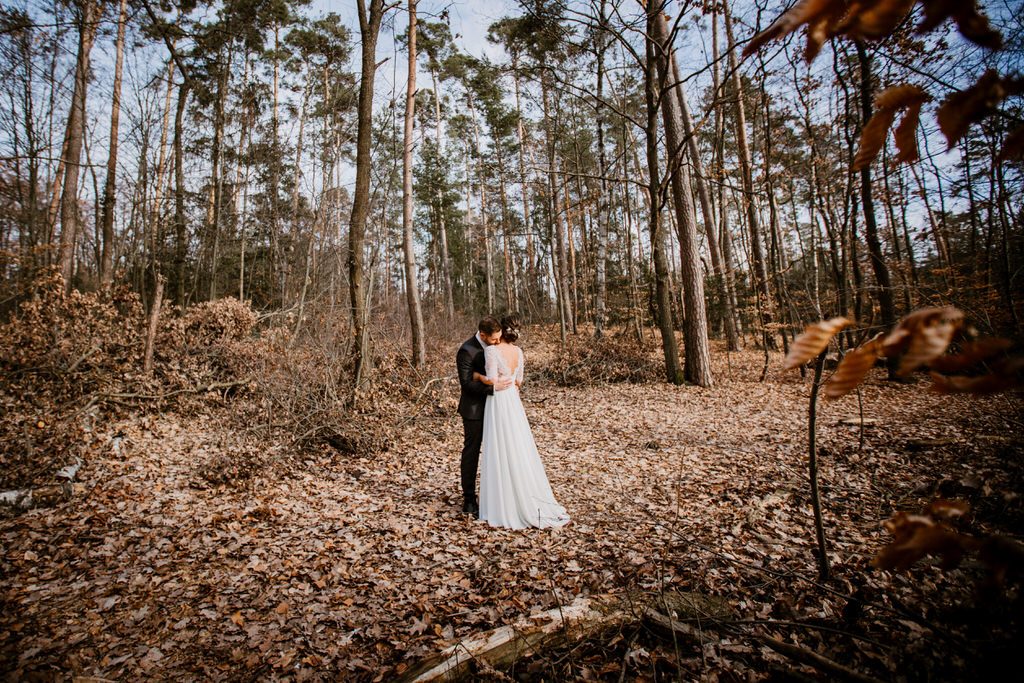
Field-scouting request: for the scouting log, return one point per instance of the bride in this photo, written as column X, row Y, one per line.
column 514, row 490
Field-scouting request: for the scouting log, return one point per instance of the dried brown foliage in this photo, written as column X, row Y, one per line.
column 971, row 353
column 931, row 533
column 76, row 362
column 813, row 341
column 1007, row 374
column 61, row 350
column 820, row 16
column 853, row 368
column 922, row 338
column 917, row 536
column 587, row 361
column 971, row 23
column 1013, row 146
column 877, row 19
column 873, row 20
column 887, row 104
column 961, row 109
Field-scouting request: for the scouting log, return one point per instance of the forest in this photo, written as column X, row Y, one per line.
column 766, row 259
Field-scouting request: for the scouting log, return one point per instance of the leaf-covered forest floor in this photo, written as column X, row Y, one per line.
column 355, row 568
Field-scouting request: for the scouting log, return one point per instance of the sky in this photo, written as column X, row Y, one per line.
column 469, row 20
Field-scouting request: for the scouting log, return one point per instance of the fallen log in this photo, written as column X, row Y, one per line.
column 819, row 662
column 43, row 496
column 585, row 617
column 502, row 646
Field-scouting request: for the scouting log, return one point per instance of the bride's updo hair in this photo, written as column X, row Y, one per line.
column 510, row 328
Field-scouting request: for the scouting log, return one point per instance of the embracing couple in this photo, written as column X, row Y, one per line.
column 514, row 490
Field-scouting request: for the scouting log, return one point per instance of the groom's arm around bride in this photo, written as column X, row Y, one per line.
column 472, row 401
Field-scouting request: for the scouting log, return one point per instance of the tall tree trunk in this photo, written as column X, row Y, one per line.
column 673, row 371
column 604, row 206
column 107, row 255
column 559, row 272
column 531, row 263
column 412, row 295
column 369, row 29
column 154, row 218
column 759, row 270
column 180, row 228
column 443, row 229
column 730, row 304
column 276, row 268
column 571, row 243
column 707, row 211
column 214, row 198
column 697, row 361
column 882, row 279
column 296, row 228
column 890, row 209
column 88, row 21
column 510, row 301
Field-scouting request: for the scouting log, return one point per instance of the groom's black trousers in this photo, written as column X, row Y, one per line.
column 473, row 436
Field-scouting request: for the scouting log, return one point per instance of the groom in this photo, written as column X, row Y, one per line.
column 472, row 399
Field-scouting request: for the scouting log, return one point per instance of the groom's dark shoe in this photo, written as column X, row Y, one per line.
column 470, row 507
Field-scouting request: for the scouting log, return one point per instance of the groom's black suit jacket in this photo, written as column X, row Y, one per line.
column 473, row 396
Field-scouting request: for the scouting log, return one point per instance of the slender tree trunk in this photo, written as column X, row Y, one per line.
column 890, row 209
column 531, row 263
column 214, row 198
column 603, row 210
column 759, row 271
column 707, row 211
column 154, row 218
column 697, row 362
column 109, row 195
column 881, row 270
column 904, row 224
column 571, row 242
column 560, row 273
column 445, row 258
column 419, row 350
column 673, row 372
column 154, row 321
column 369, row 29
column 180, row 227
column 69, row 218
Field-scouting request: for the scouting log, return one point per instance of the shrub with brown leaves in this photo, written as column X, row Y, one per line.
column 61, row 351
column 587, row 361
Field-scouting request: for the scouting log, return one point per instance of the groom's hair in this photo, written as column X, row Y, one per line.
column 489, row 325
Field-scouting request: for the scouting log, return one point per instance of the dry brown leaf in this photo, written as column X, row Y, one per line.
column 971, row 353
column 873, row 137
column 854, row 366
column 1013, row 146
column 922, row 336
column 875, row 19
column 973, row 24
column 821, row 16
column 902, row 95
column 916, row 536
column 1003, row 557
column 941, row 508
column 906, row 135
column 1007, row 375
column 813, row 341
column 887, row 103
column 961, row 109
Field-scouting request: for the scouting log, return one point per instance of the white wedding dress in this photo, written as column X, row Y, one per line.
column 514, row 490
